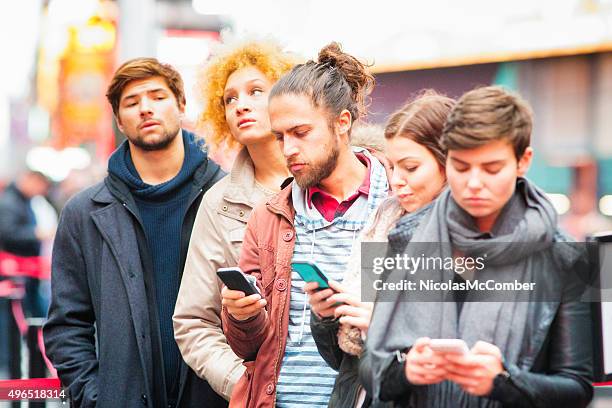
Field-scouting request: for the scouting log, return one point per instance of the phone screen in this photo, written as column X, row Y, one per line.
column 235, row 279
column 310, row 272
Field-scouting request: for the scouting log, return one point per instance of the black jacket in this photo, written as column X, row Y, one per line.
column 560, row 376
column 17, row 227
column 347, row 385
column 99, row 334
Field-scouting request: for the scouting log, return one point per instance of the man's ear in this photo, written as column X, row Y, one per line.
column 181, row 116
column 119, row 125
column 525, row 161
column 344, row 122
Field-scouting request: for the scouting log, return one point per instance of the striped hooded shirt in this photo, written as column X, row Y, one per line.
column 305, row 378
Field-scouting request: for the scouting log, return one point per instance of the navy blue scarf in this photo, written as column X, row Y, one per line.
column 121, row 165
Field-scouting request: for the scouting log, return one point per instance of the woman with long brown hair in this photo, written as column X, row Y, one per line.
column 417, row 161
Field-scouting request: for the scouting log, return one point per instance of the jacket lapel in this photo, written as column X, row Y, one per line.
column 117, row 229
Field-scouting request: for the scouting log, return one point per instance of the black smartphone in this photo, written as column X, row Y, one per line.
column 235, row 279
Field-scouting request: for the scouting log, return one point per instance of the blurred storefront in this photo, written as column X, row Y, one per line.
column 570, row 96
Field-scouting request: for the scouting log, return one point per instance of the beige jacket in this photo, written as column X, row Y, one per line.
column 215, row 243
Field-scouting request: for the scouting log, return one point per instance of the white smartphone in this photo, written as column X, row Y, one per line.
column 449, row 346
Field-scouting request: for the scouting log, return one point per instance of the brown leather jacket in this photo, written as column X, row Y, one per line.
column 266, row 254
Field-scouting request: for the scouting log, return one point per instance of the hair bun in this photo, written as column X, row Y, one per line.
column 354, row 72
column 330, row 54
column 337, row 80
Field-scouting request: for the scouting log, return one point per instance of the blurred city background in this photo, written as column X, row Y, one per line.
column 59, row 55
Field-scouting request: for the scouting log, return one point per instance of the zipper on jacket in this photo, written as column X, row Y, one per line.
column 278, row 355
column 281, row 213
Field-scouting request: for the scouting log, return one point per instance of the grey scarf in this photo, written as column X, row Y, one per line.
column 514, row 249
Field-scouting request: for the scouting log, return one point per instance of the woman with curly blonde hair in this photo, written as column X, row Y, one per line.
column 235, row 84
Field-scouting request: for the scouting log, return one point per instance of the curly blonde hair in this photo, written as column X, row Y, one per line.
column 264, row 54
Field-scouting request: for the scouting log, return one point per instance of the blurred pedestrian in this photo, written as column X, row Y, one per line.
column 20, row 233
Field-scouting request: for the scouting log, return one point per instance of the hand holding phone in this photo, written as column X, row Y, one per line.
column 240, row 296
column 320, row 293
column 310, row 272
column 422, row 365
column 476, row 371
column 235, row 279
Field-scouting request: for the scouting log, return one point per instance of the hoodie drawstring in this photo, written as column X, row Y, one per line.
column 314, row 236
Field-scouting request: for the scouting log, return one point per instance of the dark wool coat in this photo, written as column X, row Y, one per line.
column 99, row 331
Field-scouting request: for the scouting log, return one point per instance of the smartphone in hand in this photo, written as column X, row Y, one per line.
column 449, row 346
column 235, row 279
column 310, row 272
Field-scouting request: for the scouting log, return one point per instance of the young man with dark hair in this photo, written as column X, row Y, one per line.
column 315, row 218
column 528, row 347
column 119, row 255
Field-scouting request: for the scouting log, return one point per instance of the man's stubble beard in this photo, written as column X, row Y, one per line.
column 320, row 171
column 160, row 144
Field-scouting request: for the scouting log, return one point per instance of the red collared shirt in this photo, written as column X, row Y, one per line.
column 328, row 206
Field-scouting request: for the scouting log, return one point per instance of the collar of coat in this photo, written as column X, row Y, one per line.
column 117, row 190
column 242, row 180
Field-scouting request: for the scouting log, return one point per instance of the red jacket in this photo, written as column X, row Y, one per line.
column 267, row 251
